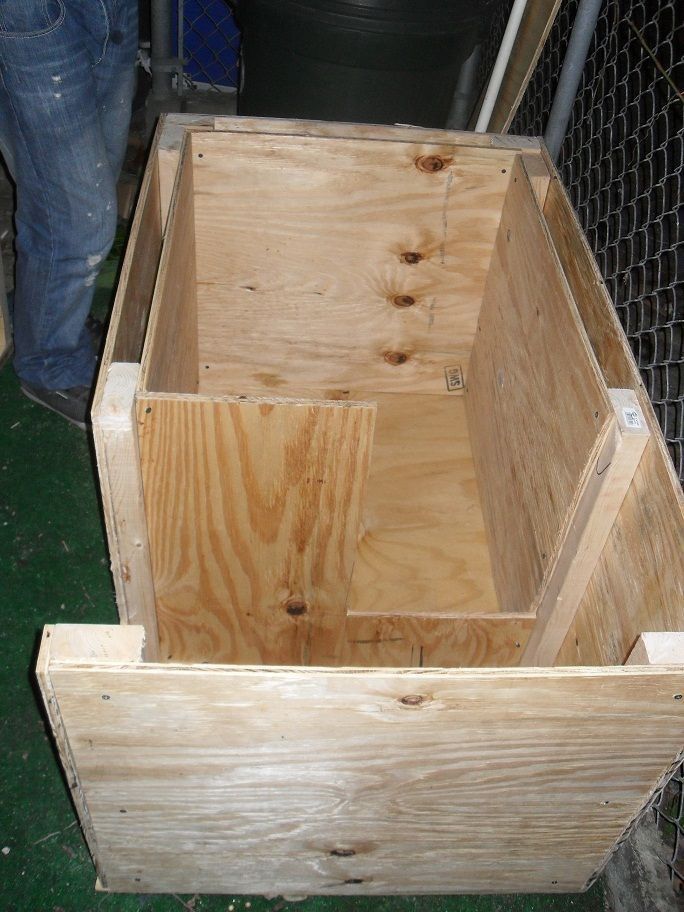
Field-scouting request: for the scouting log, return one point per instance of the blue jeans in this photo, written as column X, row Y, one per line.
column 67, row 71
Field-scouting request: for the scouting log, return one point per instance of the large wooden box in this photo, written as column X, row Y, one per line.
column 388, row 511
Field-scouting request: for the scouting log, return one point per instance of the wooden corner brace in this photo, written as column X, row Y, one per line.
column 596, row 508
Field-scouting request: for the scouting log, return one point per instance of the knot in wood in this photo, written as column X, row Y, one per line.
column 414, row 700
column 430, row 163
column 296, row 607
column 411, row 257
column 403, row 301
column 395, row 358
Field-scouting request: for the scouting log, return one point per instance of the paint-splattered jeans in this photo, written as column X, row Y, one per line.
column 66, row 85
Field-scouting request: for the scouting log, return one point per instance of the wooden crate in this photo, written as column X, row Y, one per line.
column 388, row 510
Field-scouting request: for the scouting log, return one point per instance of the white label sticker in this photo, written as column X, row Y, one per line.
column 631, row 416
column 453, row 377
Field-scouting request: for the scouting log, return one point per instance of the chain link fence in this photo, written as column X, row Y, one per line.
column 668, row 808
column 208, row 43
column 622, row 163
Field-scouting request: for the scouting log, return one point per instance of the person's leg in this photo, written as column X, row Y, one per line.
column 50, row 52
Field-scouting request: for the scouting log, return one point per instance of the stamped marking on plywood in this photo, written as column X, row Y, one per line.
column 454, row 378
column 632, row 418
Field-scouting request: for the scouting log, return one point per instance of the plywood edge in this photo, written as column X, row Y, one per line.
column 398, row 132
column 59, row 734
column 594, row 512
column 538, row 174
column 115, row 649
column 118, row 459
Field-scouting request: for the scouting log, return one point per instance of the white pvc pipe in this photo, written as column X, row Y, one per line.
column 502, row 59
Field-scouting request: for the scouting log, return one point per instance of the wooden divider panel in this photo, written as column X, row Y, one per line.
column 538, row 409
column 194, row 778
column 253, row 511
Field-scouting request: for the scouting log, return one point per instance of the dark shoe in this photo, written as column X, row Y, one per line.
column 71, row 404
column 96, row 329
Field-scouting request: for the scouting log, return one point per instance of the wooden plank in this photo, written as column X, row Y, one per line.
column 116, row 442
column 397, row 133
column 658, row 649
column 538, row 409
column 596, row 510
column 337, row 262
column 534, row 29
column 638, row 583
column 169, row 359
column 253, row 511
column 261, row 780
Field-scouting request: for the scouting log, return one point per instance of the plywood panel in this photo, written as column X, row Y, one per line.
column 423, row 549
column 324, row 258
column 253, row 511
column 538, row 409
column 251, row 780
column 169, row 359
column 639, row 582
column 421, row 641
column 597, row 505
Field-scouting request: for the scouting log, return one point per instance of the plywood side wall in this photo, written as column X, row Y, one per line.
column 347, row 262
column 639, row 582
column 169, row 359
column 538, row 409
column 250, row 780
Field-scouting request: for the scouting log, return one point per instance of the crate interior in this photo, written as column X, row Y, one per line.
column 406, row 276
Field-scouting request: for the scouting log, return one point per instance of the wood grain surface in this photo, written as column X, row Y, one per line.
column 538, row 408
column 597, row 505
column 638, row 583
column 169, row 358
column 340, row 261
column 423, row 549
column 251, row 780
column 253, row 512
column 116, row 441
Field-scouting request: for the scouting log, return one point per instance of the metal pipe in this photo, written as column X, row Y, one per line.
column 162, row 48
column 502, row 59
column 463, row 101
column 573, row 66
